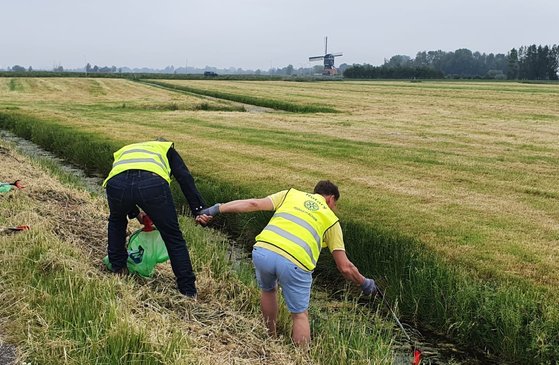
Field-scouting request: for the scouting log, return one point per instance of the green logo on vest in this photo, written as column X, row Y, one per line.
column 310, row 205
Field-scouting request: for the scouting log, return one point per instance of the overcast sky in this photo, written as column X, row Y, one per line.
column 261, row 33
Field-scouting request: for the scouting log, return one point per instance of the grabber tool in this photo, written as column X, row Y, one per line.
column 415, row 350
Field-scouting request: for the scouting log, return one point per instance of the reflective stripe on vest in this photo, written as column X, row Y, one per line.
column 148, row 156
column 304, row 224
column 164, row 163
column 291, row 237
column 298, row 227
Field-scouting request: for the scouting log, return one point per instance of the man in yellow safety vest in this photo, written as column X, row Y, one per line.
column 140, row 177
column 287, row 249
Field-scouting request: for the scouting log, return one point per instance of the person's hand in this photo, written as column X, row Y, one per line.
column 369, row 287
column 211, row 211
column 203, row 219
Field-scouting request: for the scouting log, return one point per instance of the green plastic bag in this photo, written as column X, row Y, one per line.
column 146, row 249
column 5, row 187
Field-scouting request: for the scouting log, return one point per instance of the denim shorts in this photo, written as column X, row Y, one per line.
column 295, row 282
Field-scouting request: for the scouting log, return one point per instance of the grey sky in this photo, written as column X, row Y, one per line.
column 261, row 33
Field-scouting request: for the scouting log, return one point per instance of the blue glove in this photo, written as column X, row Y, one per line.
column 213, row 210
column 369, row 287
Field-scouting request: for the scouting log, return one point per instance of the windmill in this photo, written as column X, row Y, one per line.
column 328, row 58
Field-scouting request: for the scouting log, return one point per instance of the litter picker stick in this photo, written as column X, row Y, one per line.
column 416, row 352
column 395, row 316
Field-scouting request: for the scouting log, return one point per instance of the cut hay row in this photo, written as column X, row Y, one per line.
column 257, row 100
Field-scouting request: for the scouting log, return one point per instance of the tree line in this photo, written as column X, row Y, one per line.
column 533, row 63
column 527, row 63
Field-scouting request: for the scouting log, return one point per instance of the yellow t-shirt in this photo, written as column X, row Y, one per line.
column 333, row 237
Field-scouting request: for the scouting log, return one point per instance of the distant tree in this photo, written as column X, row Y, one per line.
column 436, row 59
column 553, row 63
column 460, row 62
column 542, row 58
column 513, row 66
column 317, row 69
column 531, row 61
column 289, row 70
column 29, row 69
column 398, row 61
column 58, row 69
column 538, row 62
column 18, row 68
column 88, row 68
column 342, row 67
column 95, row 69
column 421, row 60
column 501, row 62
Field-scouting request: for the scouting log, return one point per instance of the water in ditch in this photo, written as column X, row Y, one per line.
column 92, row 183
column 436, row 349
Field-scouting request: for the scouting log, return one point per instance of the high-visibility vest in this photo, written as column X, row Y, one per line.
column 149, row 156
column 298, row 225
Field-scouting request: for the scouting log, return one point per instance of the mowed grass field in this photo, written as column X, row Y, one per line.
column 470, row 169
column 454, row 182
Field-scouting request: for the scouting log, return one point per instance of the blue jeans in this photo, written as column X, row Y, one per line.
column 152, row 194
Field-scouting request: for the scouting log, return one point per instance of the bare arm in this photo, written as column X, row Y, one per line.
column 347, row 268
column 247, row 205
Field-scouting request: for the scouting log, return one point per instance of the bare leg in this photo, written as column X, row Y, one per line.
column 301, row 333
column 269, row 307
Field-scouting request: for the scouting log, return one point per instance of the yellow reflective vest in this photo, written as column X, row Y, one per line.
column 298, row 225
column 149, row 156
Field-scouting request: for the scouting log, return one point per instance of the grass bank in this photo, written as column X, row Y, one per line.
column 59, row 306
column 246, row 99
column 511, row 319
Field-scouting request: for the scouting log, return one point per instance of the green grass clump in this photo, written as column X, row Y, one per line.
column 346, row 333
column 258, row 101
column 219, row 108
column 91, row 152
column 69, row 312
column 15, row 85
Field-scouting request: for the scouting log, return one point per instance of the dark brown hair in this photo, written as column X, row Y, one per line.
column 326, row 187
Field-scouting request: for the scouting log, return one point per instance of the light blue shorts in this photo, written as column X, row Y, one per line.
column 295, row 282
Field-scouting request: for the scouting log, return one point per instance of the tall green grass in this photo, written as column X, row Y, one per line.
column 92, row 152
column 512, row 320
column 246, row 99
column 70, row 314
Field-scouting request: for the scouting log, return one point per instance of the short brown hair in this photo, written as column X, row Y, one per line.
column 326, row 187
